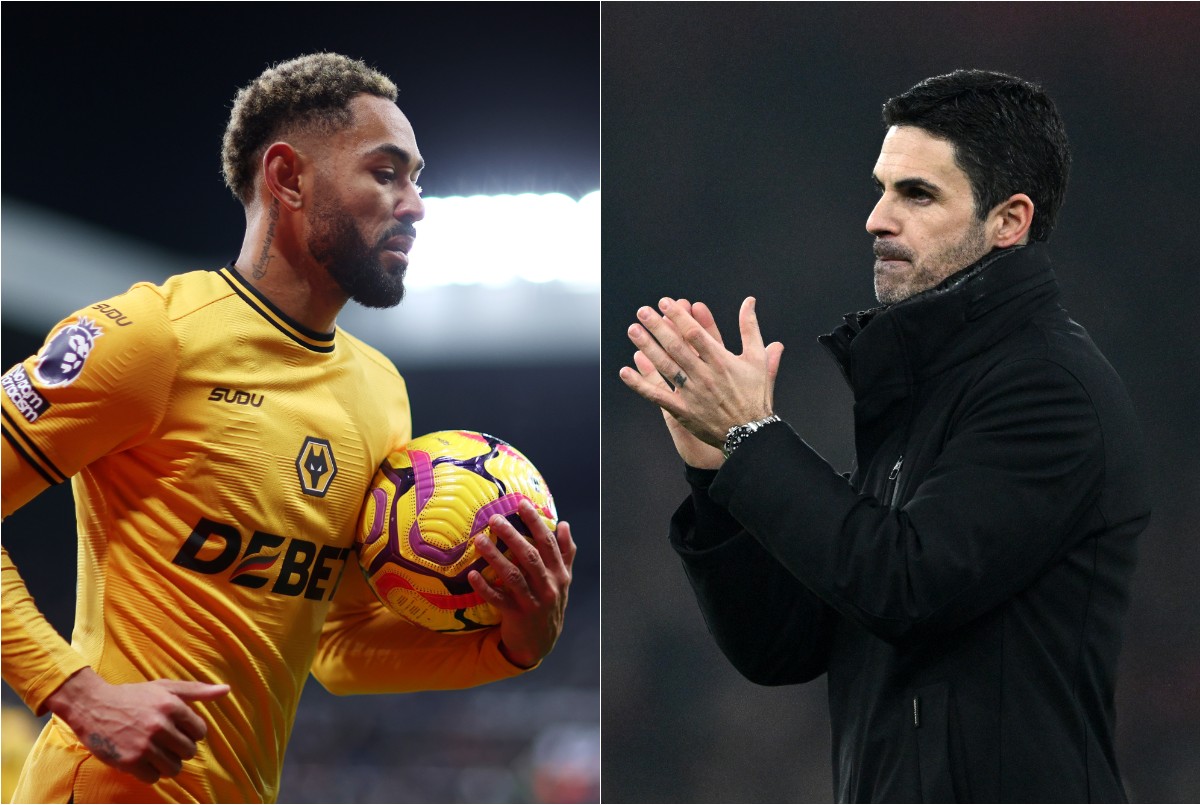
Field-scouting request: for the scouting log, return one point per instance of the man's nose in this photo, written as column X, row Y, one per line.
column 881, row 221
column 410, row 207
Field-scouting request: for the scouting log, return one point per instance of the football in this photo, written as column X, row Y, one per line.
column 420, row 517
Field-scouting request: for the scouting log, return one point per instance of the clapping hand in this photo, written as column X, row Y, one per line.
column 710, row 389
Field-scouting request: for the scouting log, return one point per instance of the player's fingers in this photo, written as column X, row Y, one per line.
column 529, row 552
column 163, row 761
column 509, row 576
column 176, row 739
column 486, row 591
column 194, row 691
column 182, row 716
column 145, row 771
column 566, row 545
column 541, row 536
column 748, row 322
column 189, row 722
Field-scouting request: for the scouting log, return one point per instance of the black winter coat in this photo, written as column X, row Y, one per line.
column 964, row 586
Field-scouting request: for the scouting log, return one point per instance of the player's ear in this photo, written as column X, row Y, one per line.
column 1011, row 220
column 281, row 167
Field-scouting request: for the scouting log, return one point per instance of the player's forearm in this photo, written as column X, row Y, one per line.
column 37, row 660
column 384, row 654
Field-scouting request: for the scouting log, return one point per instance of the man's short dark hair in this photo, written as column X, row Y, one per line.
column 311, row 92
column 1007, row 135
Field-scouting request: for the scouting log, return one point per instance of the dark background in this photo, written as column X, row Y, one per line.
column 113, row 115
column 738, row 146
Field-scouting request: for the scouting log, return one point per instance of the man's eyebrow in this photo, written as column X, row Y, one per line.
column 916, row 183
column 400, row 154
column 910, row 183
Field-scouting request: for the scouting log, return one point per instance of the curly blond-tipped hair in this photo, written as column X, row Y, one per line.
column 310, row 93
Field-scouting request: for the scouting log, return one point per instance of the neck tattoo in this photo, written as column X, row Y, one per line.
column 260, row 266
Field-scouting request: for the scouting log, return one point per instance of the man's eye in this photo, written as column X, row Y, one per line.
column 384, row 177
column 418, row 188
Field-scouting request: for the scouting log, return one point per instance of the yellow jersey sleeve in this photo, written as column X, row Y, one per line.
column 99, row 385
column 95, row 387
column 367, row 648
column 37, row 660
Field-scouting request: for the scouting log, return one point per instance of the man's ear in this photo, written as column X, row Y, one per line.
column 1010, row 220
column 281, row 174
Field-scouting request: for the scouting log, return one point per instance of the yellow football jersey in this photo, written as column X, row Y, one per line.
column 219, row 454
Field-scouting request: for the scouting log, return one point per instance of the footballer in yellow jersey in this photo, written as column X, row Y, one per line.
column 219, row 453
column 220, row 433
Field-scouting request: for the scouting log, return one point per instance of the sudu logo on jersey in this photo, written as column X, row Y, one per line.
column 293, row 566
column 61, row 360
column 316, row 466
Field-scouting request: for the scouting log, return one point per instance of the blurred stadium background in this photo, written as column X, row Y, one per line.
column 738, row 146
column 111, row 175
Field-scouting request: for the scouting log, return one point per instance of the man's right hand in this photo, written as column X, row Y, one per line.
column 146, row 729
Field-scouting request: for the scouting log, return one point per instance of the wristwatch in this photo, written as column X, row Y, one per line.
column 739, row 433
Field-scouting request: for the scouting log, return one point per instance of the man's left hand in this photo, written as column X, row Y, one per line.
column 530, row 588
column 714, row 389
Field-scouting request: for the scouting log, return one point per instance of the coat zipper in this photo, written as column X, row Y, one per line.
column 894, row 480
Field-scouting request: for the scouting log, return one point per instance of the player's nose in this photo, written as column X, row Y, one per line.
column 410, row 207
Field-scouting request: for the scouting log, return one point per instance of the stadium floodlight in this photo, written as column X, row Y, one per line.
column 496, row 240
column 529, row 264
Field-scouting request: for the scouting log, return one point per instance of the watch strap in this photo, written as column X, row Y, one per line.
column 739, row 433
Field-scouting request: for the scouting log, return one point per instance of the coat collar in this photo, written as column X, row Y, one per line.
column 887, row 349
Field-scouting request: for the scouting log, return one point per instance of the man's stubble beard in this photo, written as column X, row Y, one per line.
column 335, row 242
column 929, row 271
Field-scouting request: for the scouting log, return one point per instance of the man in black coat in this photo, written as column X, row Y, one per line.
column 964, row 587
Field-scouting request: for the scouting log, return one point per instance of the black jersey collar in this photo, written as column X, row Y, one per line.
column 305, row 337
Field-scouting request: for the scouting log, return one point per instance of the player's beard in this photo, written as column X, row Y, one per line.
column 357, row 267
column 926, row 272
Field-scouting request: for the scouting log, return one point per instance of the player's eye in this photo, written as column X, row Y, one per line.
column 418, row 188
column 385, row 176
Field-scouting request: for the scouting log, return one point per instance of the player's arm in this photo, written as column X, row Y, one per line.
column 145, row 729
column 365, row 648
column 81, row 397
column 95, row 388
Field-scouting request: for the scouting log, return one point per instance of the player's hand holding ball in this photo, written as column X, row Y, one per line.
column 529, row 586
column 459, row 533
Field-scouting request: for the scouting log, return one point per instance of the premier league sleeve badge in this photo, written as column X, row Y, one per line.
column 62, row 359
